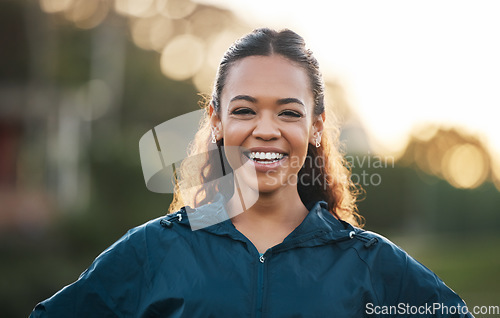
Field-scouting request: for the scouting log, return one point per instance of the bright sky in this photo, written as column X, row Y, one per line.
column 403, row 63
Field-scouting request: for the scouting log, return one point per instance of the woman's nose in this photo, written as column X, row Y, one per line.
column 266, row 129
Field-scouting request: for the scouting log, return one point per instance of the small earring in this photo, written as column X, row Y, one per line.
column 318, row 140
column 214, row 140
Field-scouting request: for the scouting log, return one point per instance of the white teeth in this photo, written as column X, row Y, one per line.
column 266, row 155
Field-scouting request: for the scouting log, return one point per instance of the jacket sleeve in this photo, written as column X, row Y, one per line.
column 423, row 294
column 110, row 287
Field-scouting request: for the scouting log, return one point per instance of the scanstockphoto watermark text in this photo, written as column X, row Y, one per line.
column 429, row 309
column 365, row 170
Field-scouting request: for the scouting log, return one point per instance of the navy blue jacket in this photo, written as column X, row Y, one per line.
column 324, row 268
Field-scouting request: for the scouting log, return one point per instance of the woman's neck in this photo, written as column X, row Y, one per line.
column 280, row 206
column 272, row 217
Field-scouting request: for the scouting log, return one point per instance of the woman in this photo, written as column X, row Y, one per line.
column 294, row 251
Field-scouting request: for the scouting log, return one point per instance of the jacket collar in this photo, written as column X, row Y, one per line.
column 320, row 219
column 318, row 227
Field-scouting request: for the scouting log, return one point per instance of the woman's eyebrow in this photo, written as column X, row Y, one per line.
column 290, row 100
column 281, row 101
column 244, row 97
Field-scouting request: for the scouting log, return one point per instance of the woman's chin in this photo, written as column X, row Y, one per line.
column 268, row 185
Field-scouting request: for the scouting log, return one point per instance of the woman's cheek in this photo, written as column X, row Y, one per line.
column 237, row 132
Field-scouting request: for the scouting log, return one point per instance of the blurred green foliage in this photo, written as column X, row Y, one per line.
column 454, row 232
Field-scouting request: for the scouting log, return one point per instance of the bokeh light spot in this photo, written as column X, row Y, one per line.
column 495, row 170
column 218, row 44
column 434, row 158
column 162, row 29
column 87, row 14
column 183, row 57
column 54, row 6
column 141, row 29
column 208, row 21
column 465, row 166
column 425, row 132
column 136, row 8
column 175, row 9
column 203, row 79
column 152, row 33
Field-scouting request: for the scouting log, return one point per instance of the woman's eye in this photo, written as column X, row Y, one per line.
column 243, row 111
column 290, row 113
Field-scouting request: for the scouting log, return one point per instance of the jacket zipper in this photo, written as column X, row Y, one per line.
column 260, row 285
column 261, row 265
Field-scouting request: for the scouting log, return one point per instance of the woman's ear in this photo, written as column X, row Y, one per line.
column 317, row 129
column 211, row 109
column 215, row 122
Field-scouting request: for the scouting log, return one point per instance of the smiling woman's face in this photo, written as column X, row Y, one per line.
column 267, row 109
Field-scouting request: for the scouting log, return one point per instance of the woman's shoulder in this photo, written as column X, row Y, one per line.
column 181, row 224
column 373, row 241
column 387, row 262
column 156, row 232
column 169, row 226
column 378, row 251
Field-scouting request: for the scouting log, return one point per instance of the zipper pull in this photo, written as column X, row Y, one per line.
column 167, row 222
column 371, row 242
column 368, row 242
column 262, row 258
